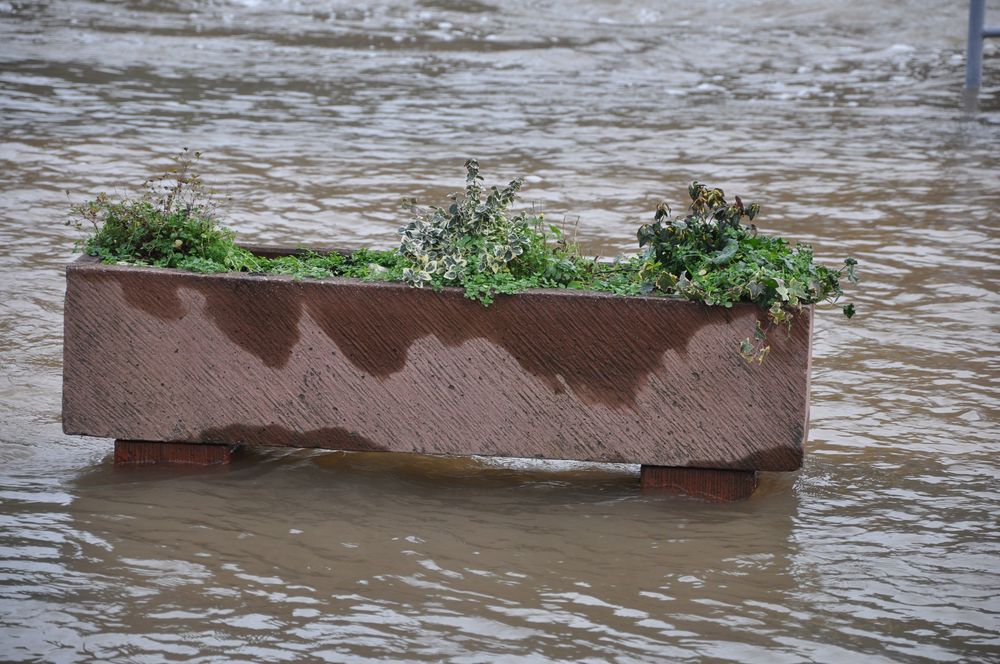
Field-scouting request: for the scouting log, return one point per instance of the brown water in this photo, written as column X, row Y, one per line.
column 842, row 118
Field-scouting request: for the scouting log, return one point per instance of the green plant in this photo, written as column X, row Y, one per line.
column 480, row 246
column 710, row 256
column 174, row 223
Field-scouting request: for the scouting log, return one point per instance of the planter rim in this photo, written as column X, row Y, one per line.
column 87, row 262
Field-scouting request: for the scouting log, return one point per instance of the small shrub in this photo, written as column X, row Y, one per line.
column 174, row 223
column 480, row 246
column 710, row 256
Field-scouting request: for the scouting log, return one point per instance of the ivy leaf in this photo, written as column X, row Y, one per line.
column 726, row 254
column 849, row 310
column 645, row 234
column 694, row 190
column 851, row 269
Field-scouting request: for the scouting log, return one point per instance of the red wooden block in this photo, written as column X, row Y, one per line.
column 708, row 483
column 141, row 452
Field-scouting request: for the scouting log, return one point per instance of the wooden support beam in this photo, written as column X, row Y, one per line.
column 707, row 483
column 141, row 452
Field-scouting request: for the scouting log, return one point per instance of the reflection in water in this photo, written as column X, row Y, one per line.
column 317, row 118
column 366, row 553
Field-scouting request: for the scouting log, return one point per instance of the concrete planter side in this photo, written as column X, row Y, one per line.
column 165, row 355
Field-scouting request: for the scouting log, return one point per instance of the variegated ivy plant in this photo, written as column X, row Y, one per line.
column 473, row 236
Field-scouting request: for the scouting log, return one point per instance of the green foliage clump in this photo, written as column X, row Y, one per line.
column 174, row 223
column 710, row 256
column 368, row 264
column 480, row 246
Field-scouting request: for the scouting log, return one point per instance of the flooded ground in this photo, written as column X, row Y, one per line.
column 842, row 118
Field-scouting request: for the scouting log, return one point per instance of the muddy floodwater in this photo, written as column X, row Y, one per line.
column 843, row 119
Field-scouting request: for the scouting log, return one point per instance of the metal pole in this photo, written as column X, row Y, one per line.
column 974, row 54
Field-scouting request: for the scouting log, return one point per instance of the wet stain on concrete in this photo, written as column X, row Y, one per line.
column 149, row 292
column 602, row 347
column 260, row 316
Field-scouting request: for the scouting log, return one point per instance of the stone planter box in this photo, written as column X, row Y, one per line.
column 156, row 356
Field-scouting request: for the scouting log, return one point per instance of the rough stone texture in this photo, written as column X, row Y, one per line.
column 164, row 355
column 706, row 483
column 143, row 453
